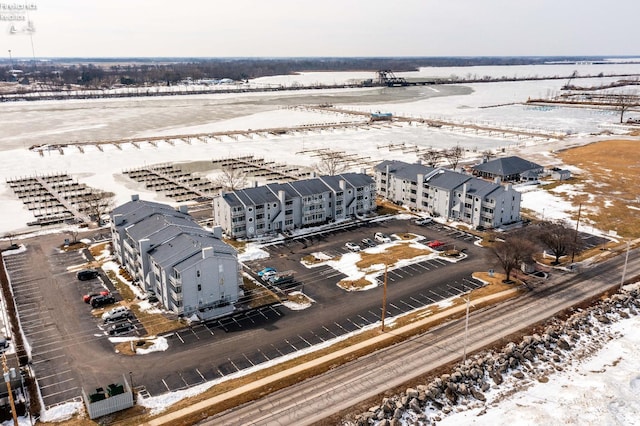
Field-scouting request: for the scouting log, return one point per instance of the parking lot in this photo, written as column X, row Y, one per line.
column 70, row 347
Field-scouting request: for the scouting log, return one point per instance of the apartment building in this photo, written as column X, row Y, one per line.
column 277, row 207
column 452, row 195
column 191, row 270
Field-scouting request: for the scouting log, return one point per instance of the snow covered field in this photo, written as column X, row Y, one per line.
column 25, row 124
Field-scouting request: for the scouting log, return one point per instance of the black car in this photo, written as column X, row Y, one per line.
column 368, row 242
column 99, row 301
column 87, row 274
column 120, row 327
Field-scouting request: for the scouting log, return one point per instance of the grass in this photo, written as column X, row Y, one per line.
column 609, row 184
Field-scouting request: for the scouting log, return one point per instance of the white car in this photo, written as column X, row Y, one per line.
column 117, row 312
column 352, row 246
column 382, row 238
column 423, row 221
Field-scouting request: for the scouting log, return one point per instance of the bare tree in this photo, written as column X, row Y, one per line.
column 432, row 157
column 512, row 252
column 73, row 233
column 232, row 178
column 454, row 155
column 558, row 238
column 624, row 102
column 96, row 203
column 332, row 163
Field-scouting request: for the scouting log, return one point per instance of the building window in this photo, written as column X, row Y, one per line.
column 199, row 287
column 197, row 273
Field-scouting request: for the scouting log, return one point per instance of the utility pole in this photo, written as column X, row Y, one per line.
column 624, row 270
column 466, row 330
column 575, row 237
column 7, row 380
column 384, row 297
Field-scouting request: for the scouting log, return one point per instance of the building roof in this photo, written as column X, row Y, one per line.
column 309, row 186
column 186, row 246
column 447, row 179
column 506, row 166
column 137, row 210
column 403, row 169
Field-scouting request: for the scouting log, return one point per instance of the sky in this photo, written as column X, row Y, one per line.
column 339, row 28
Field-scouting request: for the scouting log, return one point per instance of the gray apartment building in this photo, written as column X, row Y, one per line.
column 452, row 195
column 277, row 207
column 191, row 270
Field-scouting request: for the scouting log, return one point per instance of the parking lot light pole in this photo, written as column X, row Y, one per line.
column 624, row 269
column 131, row 384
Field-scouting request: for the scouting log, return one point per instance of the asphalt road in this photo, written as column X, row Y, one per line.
column 319, row 397
column 71, row 350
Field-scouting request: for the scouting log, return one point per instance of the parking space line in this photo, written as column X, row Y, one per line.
column 207, row 327
column 276, row 311
column 412, row 268
column 48, row 359
column 277, row 350
column 289, row 343
column 416, row 300
column 366, row 321
column 166, row 386
column 349, row 319
column 247, row 358
column 262, row 353
column 51, row 395
column 319, row 337
column 339, row 326
column 421, row 264
column 194, row 333
column 262, row 313
column 394, row 273
column 428, row 298
column 56, row 383
column 395, row 307
column 233, row 363
column 405, row 303
column 220, row 372
column 179, row 337
column 54, row 375
column 334, row 334
column 305, row 340
column 200, row 374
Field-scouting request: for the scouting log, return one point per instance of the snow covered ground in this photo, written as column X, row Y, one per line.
column 26, row 124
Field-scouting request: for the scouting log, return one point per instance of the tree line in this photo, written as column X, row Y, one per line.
column 107, row 72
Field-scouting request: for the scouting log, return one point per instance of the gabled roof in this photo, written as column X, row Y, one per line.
column 135, row 211
column 355, row 180
column 309, row 186
column 186, row 246
column 506, row 166
column 448, row 180
column 404, row 170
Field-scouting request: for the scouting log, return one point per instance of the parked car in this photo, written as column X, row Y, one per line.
column 382, row 238
column 4, row 344
column 423, row 221
column 87, row 297
column 87, row 274
column 352, row 246
column 266, row 270
column 114, row 311
column 368, row 242
column 120, row 327
column 281, row 278
column 435, row 244
column 266, row 275
column 120, row 315
column 100, row 301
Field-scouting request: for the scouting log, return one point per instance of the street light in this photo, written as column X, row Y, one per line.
column 624, row 269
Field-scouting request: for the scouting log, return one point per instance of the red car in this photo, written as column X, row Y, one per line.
column 87, row 297
column 435, row 244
